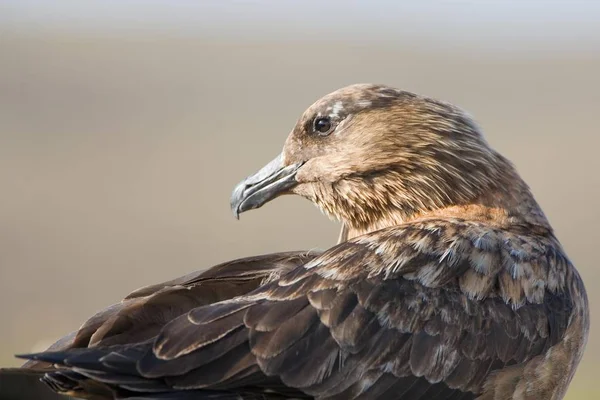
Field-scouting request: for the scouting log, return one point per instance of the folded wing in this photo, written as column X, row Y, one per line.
column 424, row 311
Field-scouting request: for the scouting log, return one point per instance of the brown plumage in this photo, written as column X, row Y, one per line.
column 448, row 282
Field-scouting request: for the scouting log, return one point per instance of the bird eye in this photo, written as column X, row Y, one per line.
column 323, row 125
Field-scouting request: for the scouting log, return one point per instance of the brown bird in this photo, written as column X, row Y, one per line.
column 448, row 283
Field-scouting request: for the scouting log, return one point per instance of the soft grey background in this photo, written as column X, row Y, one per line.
column 125, row 124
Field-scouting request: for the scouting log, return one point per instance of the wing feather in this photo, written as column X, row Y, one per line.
column 423, row 311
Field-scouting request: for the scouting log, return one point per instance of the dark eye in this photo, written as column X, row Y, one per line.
column 323, row 125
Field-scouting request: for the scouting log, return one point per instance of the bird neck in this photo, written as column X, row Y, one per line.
column 508, row 203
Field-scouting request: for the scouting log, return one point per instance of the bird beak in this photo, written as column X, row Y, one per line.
column 273, row 180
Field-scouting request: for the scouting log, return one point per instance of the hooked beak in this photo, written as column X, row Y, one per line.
column 273, row 180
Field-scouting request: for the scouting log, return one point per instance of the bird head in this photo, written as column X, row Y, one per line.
column 371, row 156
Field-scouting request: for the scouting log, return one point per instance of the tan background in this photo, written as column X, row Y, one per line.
column 119, row 148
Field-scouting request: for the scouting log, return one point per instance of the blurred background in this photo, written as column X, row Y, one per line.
column 124, row 125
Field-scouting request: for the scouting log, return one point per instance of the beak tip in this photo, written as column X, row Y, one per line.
column 237, row 198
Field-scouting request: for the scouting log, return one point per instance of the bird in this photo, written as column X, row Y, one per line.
column 447, row 282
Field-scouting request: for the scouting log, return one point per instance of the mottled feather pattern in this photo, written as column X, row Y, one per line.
column 393, row 303
column 484, row 262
